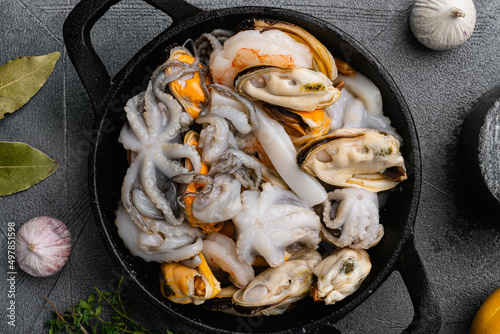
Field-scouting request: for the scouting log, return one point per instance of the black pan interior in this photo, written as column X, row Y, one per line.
column 108, row 166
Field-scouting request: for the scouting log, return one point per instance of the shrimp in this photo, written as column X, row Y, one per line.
column 251, row 48
column 220, row 252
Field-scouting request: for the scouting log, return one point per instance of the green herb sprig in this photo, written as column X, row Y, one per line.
column 86, row 316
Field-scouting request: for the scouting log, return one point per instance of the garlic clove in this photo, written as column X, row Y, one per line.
column 443, row 24
column 43, row 246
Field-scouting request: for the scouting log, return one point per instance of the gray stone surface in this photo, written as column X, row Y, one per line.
column 459, row 244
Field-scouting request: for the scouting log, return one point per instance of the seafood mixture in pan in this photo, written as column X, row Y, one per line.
column 249, row 152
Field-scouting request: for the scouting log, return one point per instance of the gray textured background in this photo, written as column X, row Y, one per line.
column 459, row 242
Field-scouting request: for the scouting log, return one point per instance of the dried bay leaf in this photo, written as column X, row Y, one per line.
column 22, row 166
column 22, row 78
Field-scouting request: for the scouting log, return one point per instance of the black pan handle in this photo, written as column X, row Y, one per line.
column 76, row 30
column 427, row 317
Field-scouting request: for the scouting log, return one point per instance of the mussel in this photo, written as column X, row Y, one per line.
column 190, row 86
column 276, row 288
column 360, row 158
column 340, row 274
column 296, row 88
column 184, row 285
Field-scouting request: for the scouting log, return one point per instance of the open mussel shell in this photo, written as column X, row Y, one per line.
column 361, row 158
column 276, row 288
column 296, row 88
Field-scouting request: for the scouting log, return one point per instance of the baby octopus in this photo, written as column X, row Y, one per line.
column 270, row 222
column 152, row 135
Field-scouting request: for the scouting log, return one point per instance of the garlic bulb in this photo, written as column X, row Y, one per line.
column 43, row 245
column 443, row 24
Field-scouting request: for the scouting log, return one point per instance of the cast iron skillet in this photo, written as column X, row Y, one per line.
column 107, row 166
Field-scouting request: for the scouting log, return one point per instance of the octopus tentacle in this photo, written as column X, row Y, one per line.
column 185, row 69
column 205, row 180
column 144, row 205
column 162, row 82
column 214, row 42
column 177, row 151
column 130, row 182
column 327, row 209
column 193, row 177
column 148, row 178
column 128, row 139
column 159, row 70
column 174, row 116
column 134, row 117
column 184, row 252
column 235, row 116
column 203, row 71
column 208, row 96
column 152, row 114
column 214, row 138
column 169, row 244
column 222, row 203
column 168, row 167
column 209, row 42
column 220, row 252
column 227, row 164
column 245, row 168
